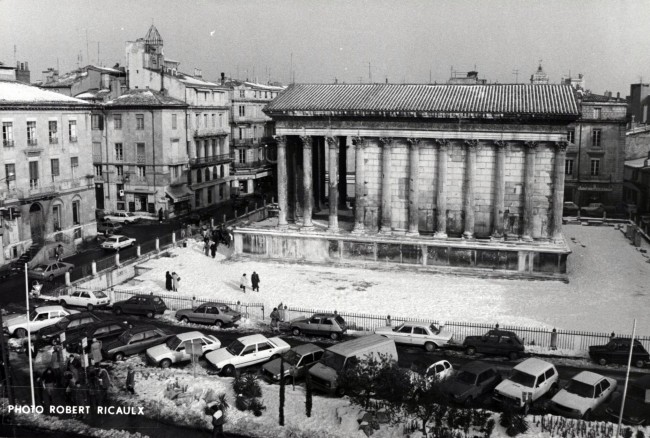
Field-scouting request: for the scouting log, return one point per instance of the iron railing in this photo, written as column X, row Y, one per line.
column 210, row 160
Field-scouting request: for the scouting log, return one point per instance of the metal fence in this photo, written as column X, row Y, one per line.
column 105, row 263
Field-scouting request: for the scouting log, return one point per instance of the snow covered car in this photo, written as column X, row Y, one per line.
column 296, row 363
column 498, row 342
column 105, row 331
column 472, row 381
column 216, row 314
column 122, row 218
column 89, row 299
column 135, row 341
column 440, row 370
column 529, row 381
column 174, row 350
column 417, row 333
column 117, row 242
column 584, row 393
column 49, row 271
column 70, row 325
column 38, row 318
column 637, row 402
column 108, row 228
column 246, row 351
column 617, row 350
column 323, row 324
column 148, row 305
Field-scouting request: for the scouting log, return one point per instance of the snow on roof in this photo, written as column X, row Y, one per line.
column 637, row 162
column 587, row 377
column 533, row 366
column 191, row 80
column 144, row 97
column 17, row 92
column 263, row 86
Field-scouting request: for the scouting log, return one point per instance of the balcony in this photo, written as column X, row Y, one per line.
column 32, row 142
column 8, row 192
column 210, row 160
column 596, row 178
column 209, row 132
column 140, row 159
column 37, row 191
column 8, row 143
column 244, row 142
column 54, row 140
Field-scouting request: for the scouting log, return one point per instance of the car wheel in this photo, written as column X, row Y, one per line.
column 118, row 357
column 218, row 323
column 602, row 361
column 51, row 277
column 165, row 363
column 149, row 314
column 340, row 392
column 228, row 370
column 470, row 350
column 90, row 307
column 334, row 336
column 513, row 355
column 554, row 389
column 117, row 310
column 587, row 415
column 430, row 346
column 20, row 333
column 639, row 363
column 295, row 331
column 185, row 319
column 275, row 356
column 62, row 302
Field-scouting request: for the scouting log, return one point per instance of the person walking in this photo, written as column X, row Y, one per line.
column 275, row 318
column 218, row 419
column 168, row 281
column 160, row 215
column 206, row 246
column 213, row 249
column 175, row 280
column 255, row 281
column 56, row 362
column 243, row 282
column 59, row 252
column 103, row 384
column 130, row 380
column 49, row 384
column 96, row 351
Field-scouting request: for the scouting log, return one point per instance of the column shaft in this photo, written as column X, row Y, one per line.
column 414, row 190
column 470, row 179
column 343, row 173
column 308, row 194
column 282, row 181
column 499, row 189
column 441, row 192
column 359, row 189
column 529, row 190
column 386, row 195
column 558, row 191
column 333, row 144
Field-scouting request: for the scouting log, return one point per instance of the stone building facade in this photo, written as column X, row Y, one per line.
column 433, row 164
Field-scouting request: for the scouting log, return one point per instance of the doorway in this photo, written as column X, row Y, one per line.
column 36, row 222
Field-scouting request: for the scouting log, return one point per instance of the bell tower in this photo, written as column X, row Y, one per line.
column 154, row 58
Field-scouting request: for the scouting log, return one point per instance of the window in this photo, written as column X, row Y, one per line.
column 571, row 136
column 74, row 162
column 205, row 120
column 120, row 193
column 117, row 121
column 242, row 155
column 198, row 120
column 97, row 121
column 266, row 95
column 53, row 128
column 220, row 120
column 119, row 170
column 595, row 137
column 10, row 174
column 54, row 164
column 199, row 176
column 72, row 130
column 595, row 166
column 264, row 346
column 214, row 120
column 568, row 167
column 98, row 169
column 405, row 329
column 242, row 93
column 241, row 133
column 33, row 174
column 7, row 134
column 56, row 217
column 139, row 121
column 141, row 172
column 419, row 331
column 242, row 110
column 210, row 190
column 119, row 152
column 174, row 121
column 31, row 133
column 76, row 213
column 597, row 113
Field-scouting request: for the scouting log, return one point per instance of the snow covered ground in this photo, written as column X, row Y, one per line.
column 608, row 287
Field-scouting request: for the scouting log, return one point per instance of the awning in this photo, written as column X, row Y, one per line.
column 140, row 191
column 179, row 193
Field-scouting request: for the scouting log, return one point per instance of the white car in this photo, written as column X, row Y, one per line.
column 89, row 299
column 584, row 393
column 117, row 242
column 122, row 218
column 246, row 351
column 417, row 333
column 529, row 381
column 175, row 349
column 38, row 318
column 440, row 370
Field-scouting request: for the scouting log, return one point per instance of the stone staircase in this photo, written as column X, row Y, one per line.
column 27, row 256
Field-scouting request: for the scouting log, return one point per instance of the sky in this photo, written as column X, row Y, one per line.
column 407, row 41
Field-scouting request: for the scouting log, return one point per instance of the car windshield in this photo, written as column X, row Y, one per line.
column 466, row 377
column 291, row 357
column 172, row 343
column 235, row 347
column 434, row 329
column 40, row 268
column 522, row 378
column 580, row 388
column 112, row 239
column 340, row 320
column 126, row 337
column 100, row 294
column 333, row 360
column 63, row 322
column 32, row 315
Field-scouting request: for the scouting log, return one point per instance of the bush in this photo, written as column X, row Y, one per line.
column 242, row 403
column 519, row 425
column 256, row 406
column 247, row 385
column 489, row 428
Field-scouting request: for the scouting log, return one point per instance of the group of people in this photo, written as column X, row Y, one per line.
column 255, row 282
column 171, row 281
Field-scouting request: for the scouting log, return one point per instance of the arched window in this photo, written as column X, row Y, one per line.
column 207, row 174
column 199, row 176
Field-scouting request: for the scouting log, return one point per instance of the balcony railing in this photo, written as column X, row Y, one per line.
column 140, row 159
column 209, row 132
column 8, row 143
column 596, row 178
column 244, row 142
column 210, row 160
column 32, row 142
column 250, row 164
column 54, row 140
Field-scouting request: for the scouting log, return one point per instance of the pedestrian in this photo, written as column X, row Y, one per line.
column 40, row 387
column 189, row 230
column 168, row 281
column 255, row 281
column 175, row 279
column 182, row 231
column 59, row 252
column 206, row 246
column 103, row 383
column 217, row 419
column 160, row 215
column 275, row 318
column 213, row 249
column 96, row 351
column 49, row 383
column 243, row 282
column 56, row 362
column 130, row 380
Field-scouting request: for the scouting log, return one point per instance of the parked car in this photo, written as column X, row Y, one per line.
column 497, row 342
column 89, row 299
column 122, row 218
column 148, row 305
column 570, row 209
column 69, row 324
column 38, row 318
column 216, row 314
column 108, row 228
column 617, row 350
column 323, row 324
column 246, row 351
column 134, row 341
column 440, row 370
column 595, row 209
column 7, row 271
column 637, row 402
column 174, row 350
column 582, row 395
column 117, row 242
column 296, row 363
column 105, row 331
column 49, row 271
column 472, row 381
column 530, row 380
column 417, row 333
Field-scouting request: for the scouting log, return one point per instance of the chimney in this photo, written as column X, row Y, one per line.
column 198, row 73
column 223, row 78
column 618, row 94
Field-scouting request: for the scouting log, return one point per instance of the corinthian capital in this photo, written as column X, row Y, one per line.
column 561, row 145
column 331, row 142
column 531, row 145
column 442, row 142
column 306, row 141
column 386, row 141
column 471, row 144
column 359, row 142
column 500, row 144
column 281, row 139
column 413, row 142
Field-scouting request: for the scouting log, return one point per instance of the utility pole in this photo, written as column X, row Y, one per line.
column 5, row 362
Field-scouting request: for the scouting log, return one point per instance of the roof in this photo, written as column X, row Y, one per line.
column 306, row 349
column 193, row 81
column 49, row 308
column 326, row 315
column 587, row 377
column 189, row 335
column 603, row 99
column 533, row 366
column 417, row 323
column 637, row 162
column 141, row 328
column 153, row 37
column 139, row 98
column 362, row 342
column 12, row 92
column 253, row 339
column 446, row 100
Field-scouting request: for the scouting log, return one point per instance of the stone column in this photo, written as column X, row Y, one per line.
column 308, row 201
column 333, row 145
column 282, row 181
column 558, row 190
column 529, row 189
column 386, row 195
column 414, row 190
column 499, row 188
column 343, row 173
column 441, row 192
column 470, row 180
column 359, row 189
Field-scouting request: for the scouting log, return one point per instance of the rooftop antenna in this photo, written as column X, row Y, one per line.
column 291, row 69
column 98, row 63
column 516, row 73
column 87, row 51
